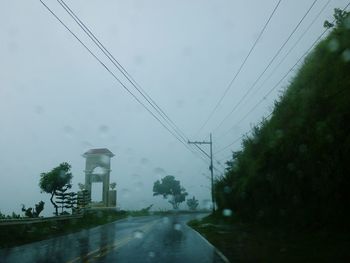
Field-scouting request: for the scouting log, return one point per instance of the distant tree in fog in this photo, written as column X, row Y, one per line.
column 58, row 179
column 192, row 203
column 170, row 188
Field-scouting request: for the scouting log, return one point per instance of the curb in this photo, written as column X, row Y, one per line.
column 217, row 251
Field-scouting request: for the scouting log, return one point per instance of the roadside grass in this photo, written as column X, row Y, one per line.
column 255, row 243
column 15, row 235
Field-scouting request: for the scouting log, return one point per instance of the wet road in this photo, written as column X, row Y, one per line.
column 139, row 239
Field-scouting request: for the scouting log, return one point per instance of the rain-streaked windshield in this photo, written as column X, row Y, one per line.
column 174, row 131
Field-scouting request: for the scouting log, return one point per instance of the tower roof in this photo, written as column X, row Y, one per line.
column 99, row 151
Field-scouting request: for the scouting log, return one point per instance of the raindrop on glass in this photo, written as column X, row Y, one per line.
column 227, row 212
column 138, row 186
column 38, row 109
column 346, row 55
column 138, row 234
column 159, row 172
column 68, row 131
column 125, row 193
column 333, row 45
column 177, row 227
column 144, row 161
column 103, row 130
column 207, row 204
column 347, row 22
column 227, row 189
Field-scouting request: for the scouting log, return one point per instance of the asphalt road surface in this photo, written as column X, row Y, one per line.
column 138, row 239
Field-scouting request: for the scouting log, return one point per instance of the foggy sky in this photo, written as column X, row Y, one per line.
column 56, row 101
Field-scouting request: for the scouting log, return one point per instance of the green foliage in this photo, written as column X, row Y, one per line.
column 28, row 212
column 147, row 209
column 58, row 179
column 340, row 18
column 66, row 200
column 192, row 203
column 13, row 216
column 81, row 186
column 18, row 234
column 294, row 168
column 83, row 199
column 169, row 187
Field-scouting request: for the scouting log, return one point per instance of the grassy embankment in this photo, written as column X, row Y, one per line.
column 248, row 242
column 289, row 184
column 14, row 235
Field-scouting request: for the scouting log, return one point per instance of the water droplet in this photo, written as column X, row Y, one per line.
column 165, row 220
column 227, row 189
column 62, row 174
column 104, row 159
column 347, row 22
column 135, row 176
column 103, row 130
column 138, row 234
column 227, row 212
column 333, row 45
column 180, row 103
column 207, row 204
column 86, row 144
column 99, row 170
column 138, row 186
column 177, row 227
column 38, row 109
column 159, row 172
column 346, row 55
column 68, row 131
column 144, row 161
column 125, row 193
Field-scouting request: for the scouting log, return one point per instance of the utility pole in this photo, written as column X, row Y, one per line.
column 210, row 156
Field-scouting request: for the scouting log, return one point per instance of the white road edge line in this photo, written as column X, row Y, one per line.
column 217, row 251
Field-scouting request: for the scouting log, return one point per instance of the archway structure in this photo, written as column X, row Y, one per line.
column 100, row 159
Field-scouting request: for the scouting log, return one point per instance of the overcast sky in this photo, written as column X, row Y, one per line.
column 57, row 101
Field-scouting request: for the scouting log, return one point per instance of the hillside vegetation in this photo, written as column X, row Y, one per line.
column 294, row 167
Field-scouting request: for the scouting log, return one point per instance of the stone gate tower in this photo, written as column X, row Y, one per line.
column 98, row 158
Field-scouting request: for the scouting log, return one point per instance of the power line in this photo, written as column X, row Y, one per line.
column 286, row 55
column 304, row 54
column 268, row 65
column 125, row 73
column 229, row 145
column 239, row 70
column 116, row 78
column 285, row 75
column 116, row 63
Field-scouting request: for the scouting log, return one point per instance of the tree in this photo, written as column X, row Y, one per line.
column 39, row 207
column 58, row 179
column 169, row 187
column 192, row 203
column 66, row 200
column 81, row 186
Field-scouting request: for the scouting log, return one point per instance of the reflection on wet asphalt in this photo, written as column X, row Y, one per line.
column 140, row 239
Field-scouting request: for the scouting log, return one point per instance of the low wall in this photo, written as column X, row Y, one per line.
column 23, row 221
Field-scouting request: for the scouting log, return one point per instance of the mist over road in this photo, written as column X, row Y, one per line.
column 139, row 239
